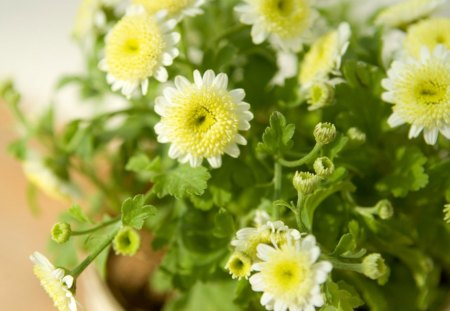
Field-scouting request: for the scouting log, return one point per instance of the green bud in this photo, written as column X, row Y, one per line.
column 356, row 135
column 320, row 94
column 324, row 133
column 373, row 267
column 239, row 265
column 61, row 232
column 384, row 209
column 305, row 182
column 323, row 167
column 127, row 242
column 447, row 213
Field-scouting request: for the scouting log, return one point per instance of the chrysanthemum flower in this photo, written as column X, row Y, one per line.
column 408, row 11
column 420, row 92
column 290, row 276
column 202, row 119
column 45, row 179
column 239, row 265
column 324, row 57
column 429, row 33
column 285, row 22
column 175, row 8
column 55, row 282
column 138, row 47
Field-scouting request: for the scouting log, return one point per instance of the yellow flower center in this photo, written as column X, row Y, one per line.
column 173, row 7
column 239, row 265
column 320, row 59
column 203, row 120
column 286, row 18
column 428, row 33
column 134, row 48
column 424, row 94
column 53, row 287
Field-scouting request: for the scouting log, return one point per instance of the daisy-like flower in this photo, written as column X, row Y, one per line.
column 286, row 22
column 202, row 119
column 408, row 11
column 420, row 92
column 290, row 276
column 324, row 57
column 239, row 265
column 429, row 33
column 55, row 282
column 176, row 8
column 138, row 47
column 45, row 179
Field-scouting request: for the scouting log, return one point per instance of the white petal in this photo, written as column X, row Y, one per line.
column 181, row 83
column 414, row 131
column 264, row 251
column 39, row 259
column 195, row 161
column 395, row 120
column 221, row 81
column 198, row 79
column 445, row 130
column 167, row 59
column 215, row 162
column 169, row 93
column 237, row 95
column 239, row 139
column 258, row 33
column 144, row 86
column 174, row 152
column 161, row 74
column 208, row 77
column 232, row 150
column 431, row 135
column 266, row 298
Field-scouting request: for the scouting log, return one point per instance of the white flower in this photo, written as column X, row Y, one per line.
column 138, row 47
column 176, row 8
column 420, row 92
column 408, row 11
column 290, row 276
column 286, row 22
column 324, row 57
column 55, row 282
column 45, row 179
column 202, row 119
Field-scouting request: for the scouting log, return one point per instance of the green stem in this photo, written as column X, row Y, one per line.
column 100, row 248
column 300, row 207
column 277, row 181
column 93, row 229
column 306, row 159
column 229, row 32
column 337, row 264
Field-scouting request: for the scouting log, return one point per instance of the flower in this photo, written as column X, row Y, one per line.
column 420, row 92
column 324, row 133
column 127, row 242
column 373, row 266
column 176, row 8
column 202, row 119
column 55, row 282
column 239, row 265
column 286, row 22
column 406, row 12
column 305, row 182
column 290, row 276
column 139, row 46
column 61, row 232
column 429, row 33
column 40, row 175
column 319, row 94
column 325, row 55
column 323, row 167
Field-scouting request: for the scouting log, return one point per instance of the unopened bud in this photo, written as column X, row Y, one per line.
column 323, row 167
column 239, row 265
column 384, row 209
column 61, row 232
column 320, row 94
column 305, row 182
column 373, row 266
column 324, row 133
column 127, row 242
column 356, row 135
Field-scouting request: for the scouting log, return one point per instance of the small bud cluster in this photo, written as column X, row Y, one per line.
column 324, row 133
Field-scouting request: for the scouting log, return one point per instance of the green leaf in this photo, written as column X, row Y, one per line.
column 78, row 214
column 408, row 173
column 181, row 181
column 277, row 138
column 134, row 211
column 140, row 163
column 341, row 296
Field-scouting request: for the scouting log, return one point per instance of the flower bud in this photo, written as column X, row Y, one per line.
column 356, row 135
column 447, row 213
column 384, row 209
column 324, row 133
column 239, row 265
column 61, row 232
column 373, row 267
column 320, row 94
column 127, row 242
column 323, row 167
column 305, row 182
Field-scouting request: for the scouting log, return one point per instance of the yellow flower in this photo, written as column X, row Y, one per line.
column 408, row 11
column 289, row 276
column 55, row 282
column 286, row 22
column 420, row 92
column 202, row 119
column 239, row 265
column 139, row 46
column 175, row 8
column 325, row 55
column 429, row 33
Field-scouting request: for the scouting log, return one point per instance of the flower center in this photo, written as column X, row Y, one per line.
column 131, row 46
column 430, row 92
column 202, row 119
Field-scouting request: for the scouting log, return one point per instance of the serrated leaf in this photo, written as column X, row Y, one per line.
column 346, row 243
column 181, row 181
column 342, row 296
column 141, row 162
column 78, row 214
column 135, row 211
column 408, row 173
column 277, row 138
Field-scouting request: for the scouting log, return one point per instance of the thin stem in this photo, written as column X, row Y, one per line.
column 100, row 248
column 99, row 226
column 300, row 207
column 306, row 159
column 357, row 267
column 229, row 32
column 277, row 181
